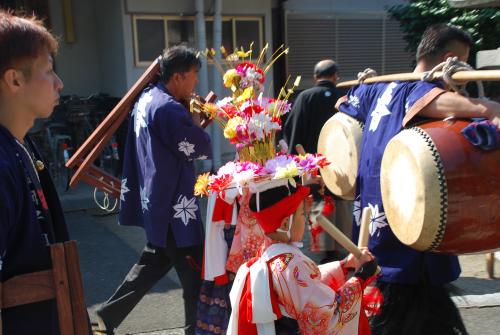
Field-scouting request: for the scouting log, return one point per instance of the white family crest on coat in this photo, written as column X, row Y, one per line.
column 377, row 220
column 144, row 199
column 357, row 210
column 124, row 189
column 353, row 101
column 382, row 108
column 185, row 209
column 186, row 147
column 2, row 256
column 139, row 112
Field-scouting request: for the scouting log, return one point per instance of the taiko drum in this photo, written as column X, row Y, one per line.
column 440, row 193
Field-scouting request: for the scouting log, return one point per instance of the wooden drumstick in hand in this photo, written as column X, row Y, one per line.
column 364, row 229
column 338, row 236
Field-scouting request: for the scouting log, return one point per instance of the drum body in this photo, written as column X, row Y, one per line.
column 440, row 193
column 340, row 142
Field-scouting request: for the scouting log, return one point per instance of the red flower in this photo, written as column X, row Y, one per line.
column 219, row 183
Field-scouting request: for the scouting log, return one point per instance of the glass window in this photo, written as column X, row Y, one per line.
column 150, row 39
column 248, row 31
column 152, row 32
column 227, row 35
column 180, row 31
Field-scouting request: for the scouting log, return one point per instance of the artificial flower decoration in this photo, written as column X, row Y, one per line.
column 247, row 118
column 250, row 122
column 201, row 186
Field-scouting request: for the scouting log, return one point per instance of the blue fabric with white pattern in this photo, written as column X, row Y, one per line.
column 382, row 107
column 158, row 172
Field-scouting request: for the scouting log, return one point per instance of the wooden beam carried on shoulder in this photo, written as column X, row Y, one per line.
column 461, row 76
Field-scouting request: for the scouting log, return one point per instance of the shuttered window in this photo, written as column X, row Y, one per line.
column 354, row 41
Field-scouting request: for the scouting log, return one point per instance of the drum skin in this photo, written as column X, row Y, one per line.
column 340, row 142
column 454, row 204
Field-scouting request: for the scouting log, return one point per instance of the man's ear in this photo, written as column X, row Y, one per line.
column 13, row 79
column 176, row 76
column 448, row 55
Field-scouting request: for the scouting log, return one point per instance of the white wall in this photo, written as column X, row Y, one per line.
column 323, row 6
column 77, row 63
column 111, row 47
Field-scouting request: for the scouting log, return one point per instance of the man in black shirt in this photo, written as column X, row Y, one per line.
column 312, row 108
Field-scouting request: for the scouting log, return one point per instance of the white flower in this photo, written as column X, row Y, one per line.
column 202, row 157
column 185, row 209
column 377, row 220
column 144, row 199
column 124, row 189
column 224, row 102
column 186, row 147
column 228, row 168
column 260, row 125
column 277, row 162
column 139, row 112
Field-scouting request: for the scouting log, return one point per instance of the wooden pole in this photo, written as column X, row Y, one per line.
column 364, row 229
column 123, row 107
column 338, row 236
column 461, row 76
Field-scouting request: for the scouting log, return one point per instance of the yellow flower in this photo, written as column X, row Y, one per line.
column 243, row 54
column 248, row 93
column 211, row 109
column 289, row 171
column 231, row 78
column 230, row 129
column 201, row 186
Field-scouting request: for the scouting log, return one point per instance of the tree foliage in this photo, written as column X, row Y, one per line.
column 415, row 16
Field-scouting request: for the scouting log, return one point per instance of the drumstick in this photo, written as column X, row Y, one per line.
column 338, row 236
column 364, row 228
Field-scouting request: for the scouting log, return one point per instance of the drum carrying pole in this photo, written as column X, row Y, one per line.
column 460, row 76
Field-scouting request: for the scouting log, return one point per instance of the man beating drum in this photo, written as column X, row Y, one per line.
column 412, row 282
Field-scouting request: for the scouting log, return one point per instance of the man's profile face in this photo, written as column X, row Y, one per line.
column 188, row 81
column 41, row 87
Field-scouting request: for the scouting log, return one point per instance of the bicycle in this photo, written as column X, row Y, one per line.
column 84, row 115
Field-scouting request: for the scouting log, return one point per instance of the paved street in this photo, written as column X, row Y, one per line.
column 107, row 251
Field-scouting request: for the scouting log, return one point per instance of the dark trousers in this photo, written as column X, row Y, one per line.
column 155, row 262
column 416, row 310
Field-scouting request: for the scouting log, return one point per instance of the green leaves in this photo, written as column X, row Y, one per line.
column 483, row 24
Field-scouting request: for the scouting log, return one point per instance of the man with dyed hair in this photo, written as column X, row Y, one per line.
column 30, row 213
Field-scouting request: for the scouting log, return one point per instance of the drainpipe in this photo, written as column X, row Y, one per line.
column 201, row 40
column 217, row 82
column 201, row 43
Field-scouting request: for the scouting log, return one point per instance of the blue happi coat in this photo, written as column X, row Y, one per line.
column 25, row 230
column 158, row 173
column 382, row 107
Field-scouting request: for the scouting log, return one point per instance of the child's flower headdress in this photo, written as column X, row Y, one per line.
column 239, row 174
column 250, row 121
